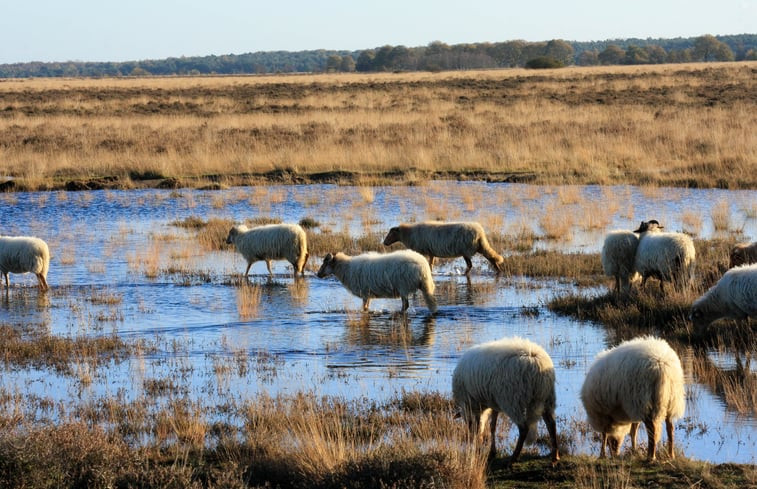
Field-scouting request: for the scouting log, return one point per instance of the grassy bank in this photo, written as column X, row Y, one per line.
column 679, row 125
column 305, row 441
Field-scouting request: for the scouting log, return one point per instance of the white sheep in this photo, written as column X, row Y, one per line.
column 664, row 256
column 271, row 242
column 618, row 256
column 743, row 254
column 734, row 297
column 512, row 376
column 23, row 254
column 376, row 275
column 640, row 380
column 446, row 240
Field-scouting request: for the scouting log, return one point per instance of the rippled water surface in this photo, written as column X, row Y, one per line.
column 113, row 252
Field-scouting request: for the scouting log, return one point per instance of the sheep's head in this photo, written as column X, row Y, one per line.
column 234, row 232
column 615, row 437
column 392, row 237
column 646, row 226
column 327, row 267
column 701, row 317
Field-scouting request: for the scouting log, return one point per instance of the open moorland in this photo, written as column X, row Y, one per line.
column 152, row 362
column 662, row 125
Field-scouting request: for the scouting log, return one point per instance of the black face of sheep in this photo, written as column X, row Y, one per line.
column 648, row 226
column 232, row 234
column 392, row 237
column 326, row 269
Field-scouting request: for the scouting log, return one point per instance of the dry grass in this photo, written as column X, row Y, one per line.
column 654, row 125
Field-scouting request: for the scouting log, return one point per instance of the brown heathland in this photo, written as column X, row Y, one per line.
column 681, row 125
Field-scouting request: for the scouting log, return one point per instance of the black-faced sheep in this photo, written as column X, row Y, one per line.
column 271, row 242
column 446, row 240
column 376, row 275
column 665, row 256
column 24, row 254
column 618, row 256
column 512, row 376
column 734, row 297
column 640, row 380
column 743, row 254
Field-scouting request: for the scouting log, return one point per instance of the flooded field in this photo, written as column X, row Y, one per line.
column 121, row 267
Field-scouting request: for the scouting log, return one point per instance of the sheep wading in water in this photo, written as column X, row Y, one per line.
column 24, row 254
column 271, row 242
column 446, row 240
column 377, row 275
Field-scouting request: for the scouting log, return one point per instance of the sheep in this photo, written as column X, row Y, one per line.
column 734, row 296
column 23, row 254
column 743, row 254
column 513, row 376
column 375, row 275
column 271, row 242
column 665, row 256
column 618, row 256
column 446, row 240
column 640, row 380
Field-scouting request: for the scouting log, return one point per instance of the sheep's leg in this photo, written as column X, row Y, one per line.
column 603, row 441
column 430, row 259
column 249, row 264
column 7, row 281
column 522, row 434
column 304, row 262
column 42, row 282
column 652, row 438
column 549, row 420
column 366, row 304
column 405, row 303
column 671, row 434
column 268, row 265
column 493, row 434
column 468, row 263
column 634, row 430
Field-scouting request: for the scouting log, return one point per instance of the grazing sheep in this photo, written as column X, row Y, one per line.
column 271, row 242
column 734, row 297
column 446, row 240
column 512, row 376
column 24, row 254
column 743, row 254
column 665, row 256
column 375, row 275
column 618, row 256
column 640, row 380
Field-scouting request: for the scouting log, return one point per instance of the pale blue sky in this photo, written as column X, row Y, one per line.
column 102, row 30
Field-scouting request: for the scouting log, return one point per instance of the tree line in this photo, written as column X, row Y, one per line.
column 436, row 56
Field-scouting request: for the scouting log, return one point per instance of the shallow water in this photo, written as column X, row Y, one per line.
column 308, row 334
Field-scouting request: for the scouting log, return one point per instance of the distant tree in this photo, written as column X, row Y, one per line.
column 509, row 53
column 559, row 50
column 333, row 63
column 588, row 58
column 751, row 55
column 656, row 54
column 636, row 56
column 612, row 55
column 708, row 48
column 138, row 71
column 348, row 63
column 365, row 60
column 679, row 56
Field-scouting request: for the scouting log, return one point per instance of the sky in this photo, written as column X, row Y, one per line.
column 130, row 30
